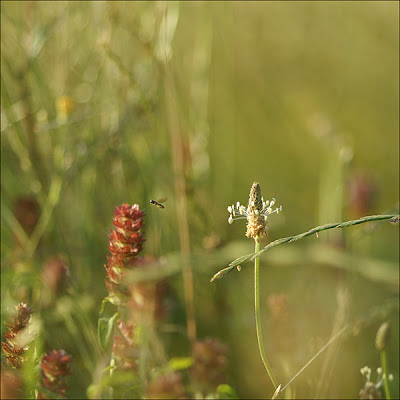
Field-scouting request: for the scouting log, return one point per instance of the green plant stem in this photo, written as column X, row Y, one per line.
column 385, row 374
column 258, row 314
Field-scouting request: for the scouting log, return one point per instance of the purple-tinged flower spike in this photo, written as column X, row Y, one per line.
column 256, row 213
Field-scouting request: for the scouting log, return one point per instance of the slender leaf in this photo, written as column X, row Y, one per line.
column 104, row 329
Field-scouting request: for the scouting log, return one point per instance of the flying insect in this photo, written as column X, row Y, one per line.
column 158, row 202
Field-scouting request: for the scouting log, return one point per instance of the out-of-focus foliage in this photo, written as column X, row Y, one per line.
column 105, row 103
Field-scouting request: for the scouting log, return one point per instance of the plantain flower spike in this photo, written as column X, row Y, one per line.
column 256, row 213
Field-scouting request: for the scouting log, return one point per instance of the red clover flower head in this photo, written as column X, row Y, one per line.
column 256, row 213
column 126, row 243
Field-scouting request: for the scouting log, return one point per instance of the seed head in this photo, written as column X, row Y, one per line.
column 256, row 223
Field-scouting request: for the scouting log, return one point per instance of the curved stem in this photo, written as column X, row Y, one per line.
column 385, row 375
column 258, row 314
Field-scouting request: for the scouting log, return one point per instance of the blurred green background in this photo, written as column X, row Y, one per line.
column 104, row 103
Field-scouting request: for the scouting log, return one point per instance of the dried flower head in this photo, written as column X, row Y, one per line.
column 362, row 190
column 278, row 305
column 13, row 347
column 27, row 213
column 126, row 243
column 256, row 213
column 166, row 386
column 54, row 274
column 280, row 323
column 209, row 363
column 12, row 385
column 55, row 367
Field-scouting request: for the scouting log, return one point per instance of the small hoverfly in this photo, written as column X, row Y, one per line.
column 158, row 202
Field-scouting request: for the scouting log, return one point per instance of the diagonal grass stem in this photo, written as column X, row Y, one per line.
column 220, row 274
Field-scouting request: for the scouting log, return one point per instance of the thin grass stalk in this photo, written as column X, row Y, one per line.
column 258, row 314
column 328, row 363
column 332, row 339
column 180, row 191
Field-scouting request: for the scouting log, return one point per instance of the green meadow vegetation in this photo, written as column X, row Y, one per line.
column 106, row 105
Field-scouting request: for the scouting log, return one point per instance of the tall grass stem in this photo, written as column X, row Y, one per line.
column 181, row 201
